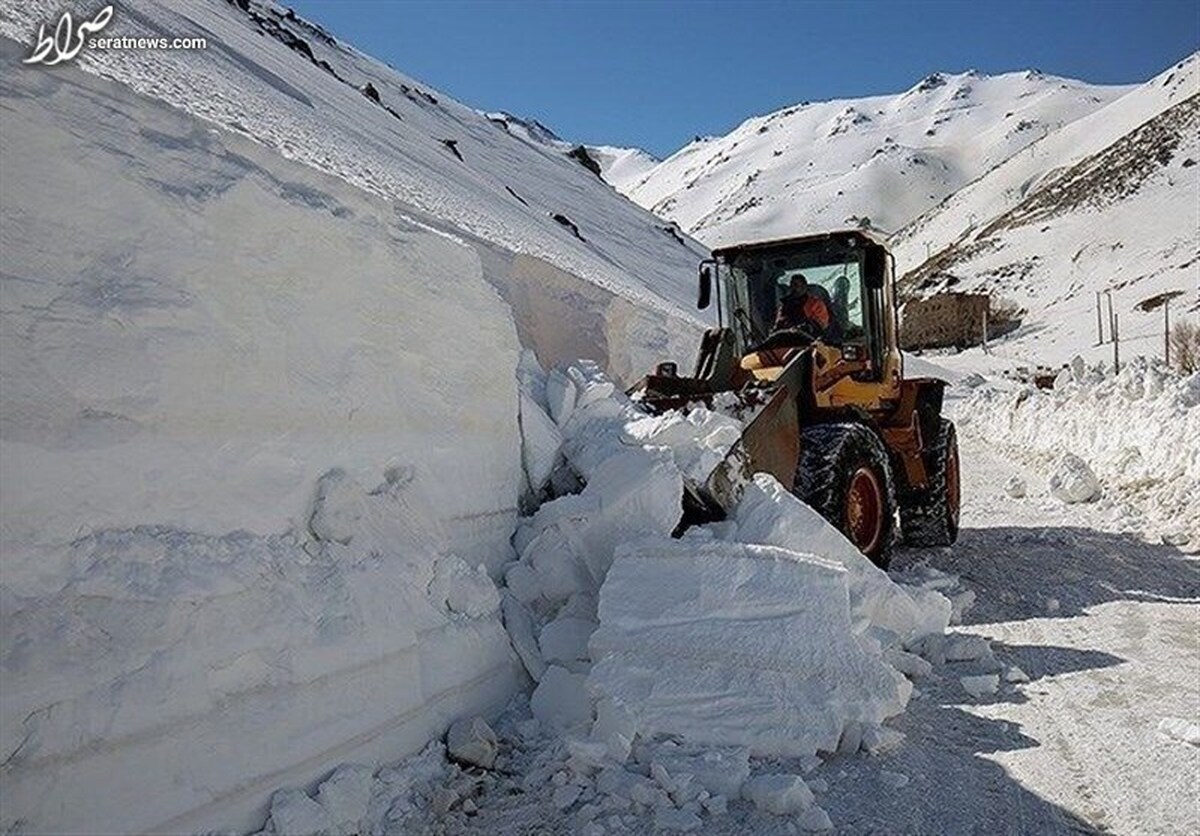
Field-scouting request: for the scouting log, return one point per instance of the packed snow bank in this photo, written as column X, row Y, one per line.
column 251, row 464
column 1136, row 431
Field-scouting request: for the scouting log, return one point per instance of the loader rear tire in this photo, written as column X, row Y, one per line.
column 930, row 517
column 845, row 476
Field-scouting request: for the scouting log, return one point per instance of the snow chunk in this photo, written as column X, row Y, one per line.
column 293, row 813
column 1181, row 730
column 590, row 383
column 966, row 648
column 540, row 443
column 908, row 664
column 734, row 644
column 565, row 639
column 1015, row 487
column 566, row 795
column 345, row 796
column 523, row 582
column 699, row 439
column 531, row 378
column 778, row 794
column 561, row 699
column 878, row 740
column 978, row 686
column 1015, row 674
column 678, row 821
column 615, row 727
column 519, row 623
column 640, row 493
column 560, row 396
column 718, row 770
column 1073, row 481
column 472, row 741
column 814, row 820
column 770, row 515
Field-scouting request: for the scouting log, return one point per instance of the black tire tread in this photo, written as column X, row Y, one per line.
column 925, row 518
column 829, row 454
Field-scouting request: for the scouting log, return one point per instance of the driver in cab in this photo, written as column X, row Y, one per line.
column 803, row 309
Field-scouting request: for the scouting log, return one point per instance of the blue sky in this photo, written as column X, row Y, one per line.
column 655, row 74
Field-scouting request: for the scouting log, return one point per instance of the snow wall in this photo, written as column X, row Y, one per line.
column 1137, row 430
column 259, row 432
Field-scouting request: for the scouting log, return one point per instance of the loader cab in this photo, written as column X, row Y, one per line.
column 847, row 273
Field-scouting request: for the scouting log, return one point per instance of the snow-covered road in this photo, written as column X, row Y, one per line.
column 1108, row 630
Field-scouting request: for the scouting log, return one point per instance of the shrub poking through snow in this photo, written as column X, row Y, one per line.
column 1185, row 346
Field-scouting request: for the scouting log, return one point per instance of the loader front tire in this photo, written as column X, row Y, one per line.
column 930, row 517
column 844, row 475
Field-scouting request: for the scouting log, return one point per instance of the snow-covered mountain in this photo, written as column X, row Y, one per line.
column 1110, row 202
column 881, row 159
column 622, row 166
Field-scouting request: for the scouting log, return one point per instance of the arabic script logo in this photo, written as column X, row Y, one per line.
column 67, row 39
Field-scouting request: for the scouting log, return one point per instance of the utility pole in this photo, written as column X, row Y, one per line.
column 1099, row 322
column 1167, row 331
column 1116, row 340
column 1112, row 317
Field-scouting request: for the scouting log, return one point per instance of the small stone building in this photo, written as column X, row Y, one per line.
column 944, row 320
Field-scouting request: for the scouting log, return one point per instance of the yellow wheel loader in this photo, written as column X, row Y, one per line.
column 806, row 351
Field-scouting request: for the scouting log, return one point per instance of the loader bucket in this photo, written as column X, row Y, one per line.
column 770, row 443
